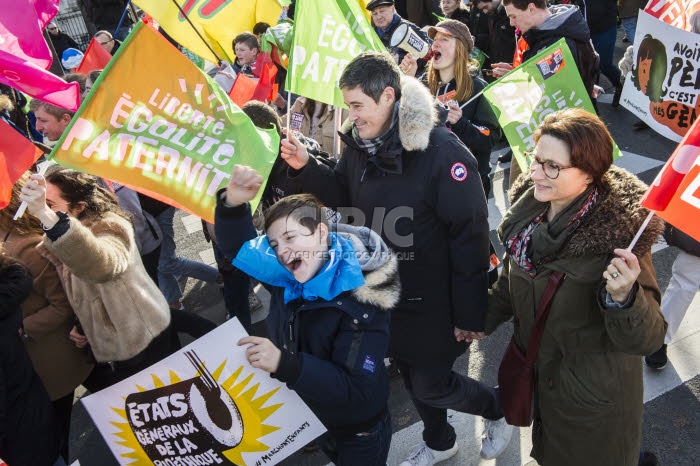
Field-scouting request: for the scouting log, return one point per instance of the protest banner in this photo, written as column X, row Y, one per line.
column 675, row 193
column 203, row 405
column 17, row 154
column 218, row 22
column 521, row 99
column 25, row 56
column 677, row 13
column 327, row 36
column 663, row 87
column 172, row 134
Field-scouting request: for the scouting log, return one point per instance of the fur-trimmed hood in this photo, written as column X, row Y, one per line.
column 614, row 220
column 380, row 267
column 417, row 116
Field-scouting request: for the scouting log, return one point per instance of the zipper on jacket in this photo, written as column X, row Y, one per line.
column 290, row 322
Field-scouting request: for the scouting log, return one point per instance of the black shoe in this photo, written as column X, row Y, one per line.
column 625, row 39
column 506, row 158
column 616, row 96
column 392, row 370
column 647, row 458
column 657, row 360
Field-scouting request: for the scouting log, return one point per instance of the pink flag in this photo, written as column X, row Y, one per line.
column 25, row 56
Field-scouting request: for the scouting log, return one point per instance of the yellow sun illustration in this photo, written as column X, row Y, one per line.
column 252, row 411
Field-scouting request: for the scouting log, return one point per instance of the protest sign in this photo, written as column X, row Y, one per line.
column 203, row 405
column 172, row 134
column 217, row 21
column 327, row 36
column 677, row 13
column 675, row 193
column 547, row 82
column 663, row 87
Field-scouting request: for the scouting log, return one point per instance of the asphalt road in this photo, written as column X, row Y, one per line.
column 672, row 414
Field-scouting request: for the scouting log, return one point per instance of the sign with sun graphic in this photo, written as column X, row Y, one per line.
column 203, row 405
column 155, row 123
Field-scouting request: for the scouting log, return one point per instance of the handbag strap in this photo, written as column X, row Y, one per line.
column 533, row 346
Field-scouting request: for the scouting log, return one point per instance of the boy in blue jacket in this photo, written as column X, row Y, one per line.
column 331, row 292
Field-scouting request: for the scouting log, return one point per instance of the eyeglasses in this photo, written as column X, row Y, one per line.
column 551, row 169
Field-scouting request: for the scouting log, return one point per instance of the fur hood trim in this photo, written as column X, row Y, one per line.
column 615, row 219
column 417, row 115
column 382, row 288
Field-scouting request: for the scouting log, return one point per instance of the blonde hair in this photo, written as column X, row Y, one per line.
column 463, row 66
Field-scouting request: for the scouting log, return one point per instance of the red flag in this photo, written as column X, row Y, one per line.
column 95, row 58
column 242, row 90
column 265, row 87
column 675, row 193
column 17, row 154
column 671, row 176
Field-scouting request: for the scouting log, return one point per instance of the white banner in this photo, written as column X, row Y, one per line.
column 203, row 405
column 663, row 87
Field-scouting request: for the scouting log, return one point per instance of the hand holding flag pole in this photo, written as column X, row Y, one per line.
column 23, row 206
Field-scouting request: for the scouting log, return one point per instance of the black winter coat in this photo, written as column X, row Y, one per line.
column 28, row 429
column 332, row 351
column 423, row 190
column 500, row 47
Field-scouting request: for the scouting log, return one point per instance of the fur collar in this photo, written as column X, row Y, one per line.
column 615, row 219
column 417, row 116
column 382, row 288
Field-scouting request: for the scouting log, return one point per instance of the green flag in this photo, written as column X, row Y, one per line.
column 172, row 134
column 547, row 82
column 327, row 35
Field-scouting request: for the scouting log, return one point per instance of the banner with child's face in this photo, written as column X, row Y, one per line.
column 663, row 86
column 155, row 123
column 203, row 405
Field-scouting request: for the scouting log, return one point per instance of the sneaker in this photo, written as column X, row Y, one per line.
column 657, row 360
column 254, row 302
column 425, row 456
column 495, row 438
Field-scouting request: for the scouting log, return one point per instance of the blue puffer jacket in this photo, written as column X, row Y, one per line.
column 332, row 350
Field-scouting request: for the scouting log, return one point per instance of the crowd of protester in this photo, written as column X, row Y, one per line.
column 91, row 282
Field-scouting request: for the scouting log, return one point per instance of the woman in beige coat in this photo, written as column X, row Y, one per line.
column 122, row 314
column 47, row 314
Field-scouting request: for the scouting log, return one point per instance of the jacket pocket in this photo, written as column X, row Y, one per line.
column 581, row 392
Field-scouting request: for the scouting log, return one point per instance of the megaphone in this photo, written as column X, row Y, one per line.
column 406, row 38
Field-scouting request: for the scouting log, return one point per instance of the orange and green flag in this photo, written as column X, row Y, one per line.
column 172, row 134
column 217, row 21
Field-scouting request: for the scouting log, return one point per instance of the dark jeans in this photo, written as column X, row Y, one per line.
column 435, row 388
column 63, row 407
column 236, row 289
column 369, row 448
column 107, row 374
column 604, row 44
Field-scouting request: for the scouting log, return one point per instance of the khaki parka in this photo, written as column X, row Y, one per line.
column 588, row 372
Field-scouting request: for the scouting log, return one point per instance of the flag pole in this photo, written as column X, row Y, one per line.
column 289, row 112
column 121, row 20
column 336, row 137
column 23, row 206
column 641, row 230
column 197, row 31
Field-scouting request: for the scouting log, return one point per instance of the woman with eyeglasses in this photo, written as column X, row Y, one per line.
column 575, row 213
column 122, row 315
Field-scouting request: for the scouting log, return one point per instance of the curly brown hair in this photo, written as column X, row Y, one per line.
column 77, row 187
